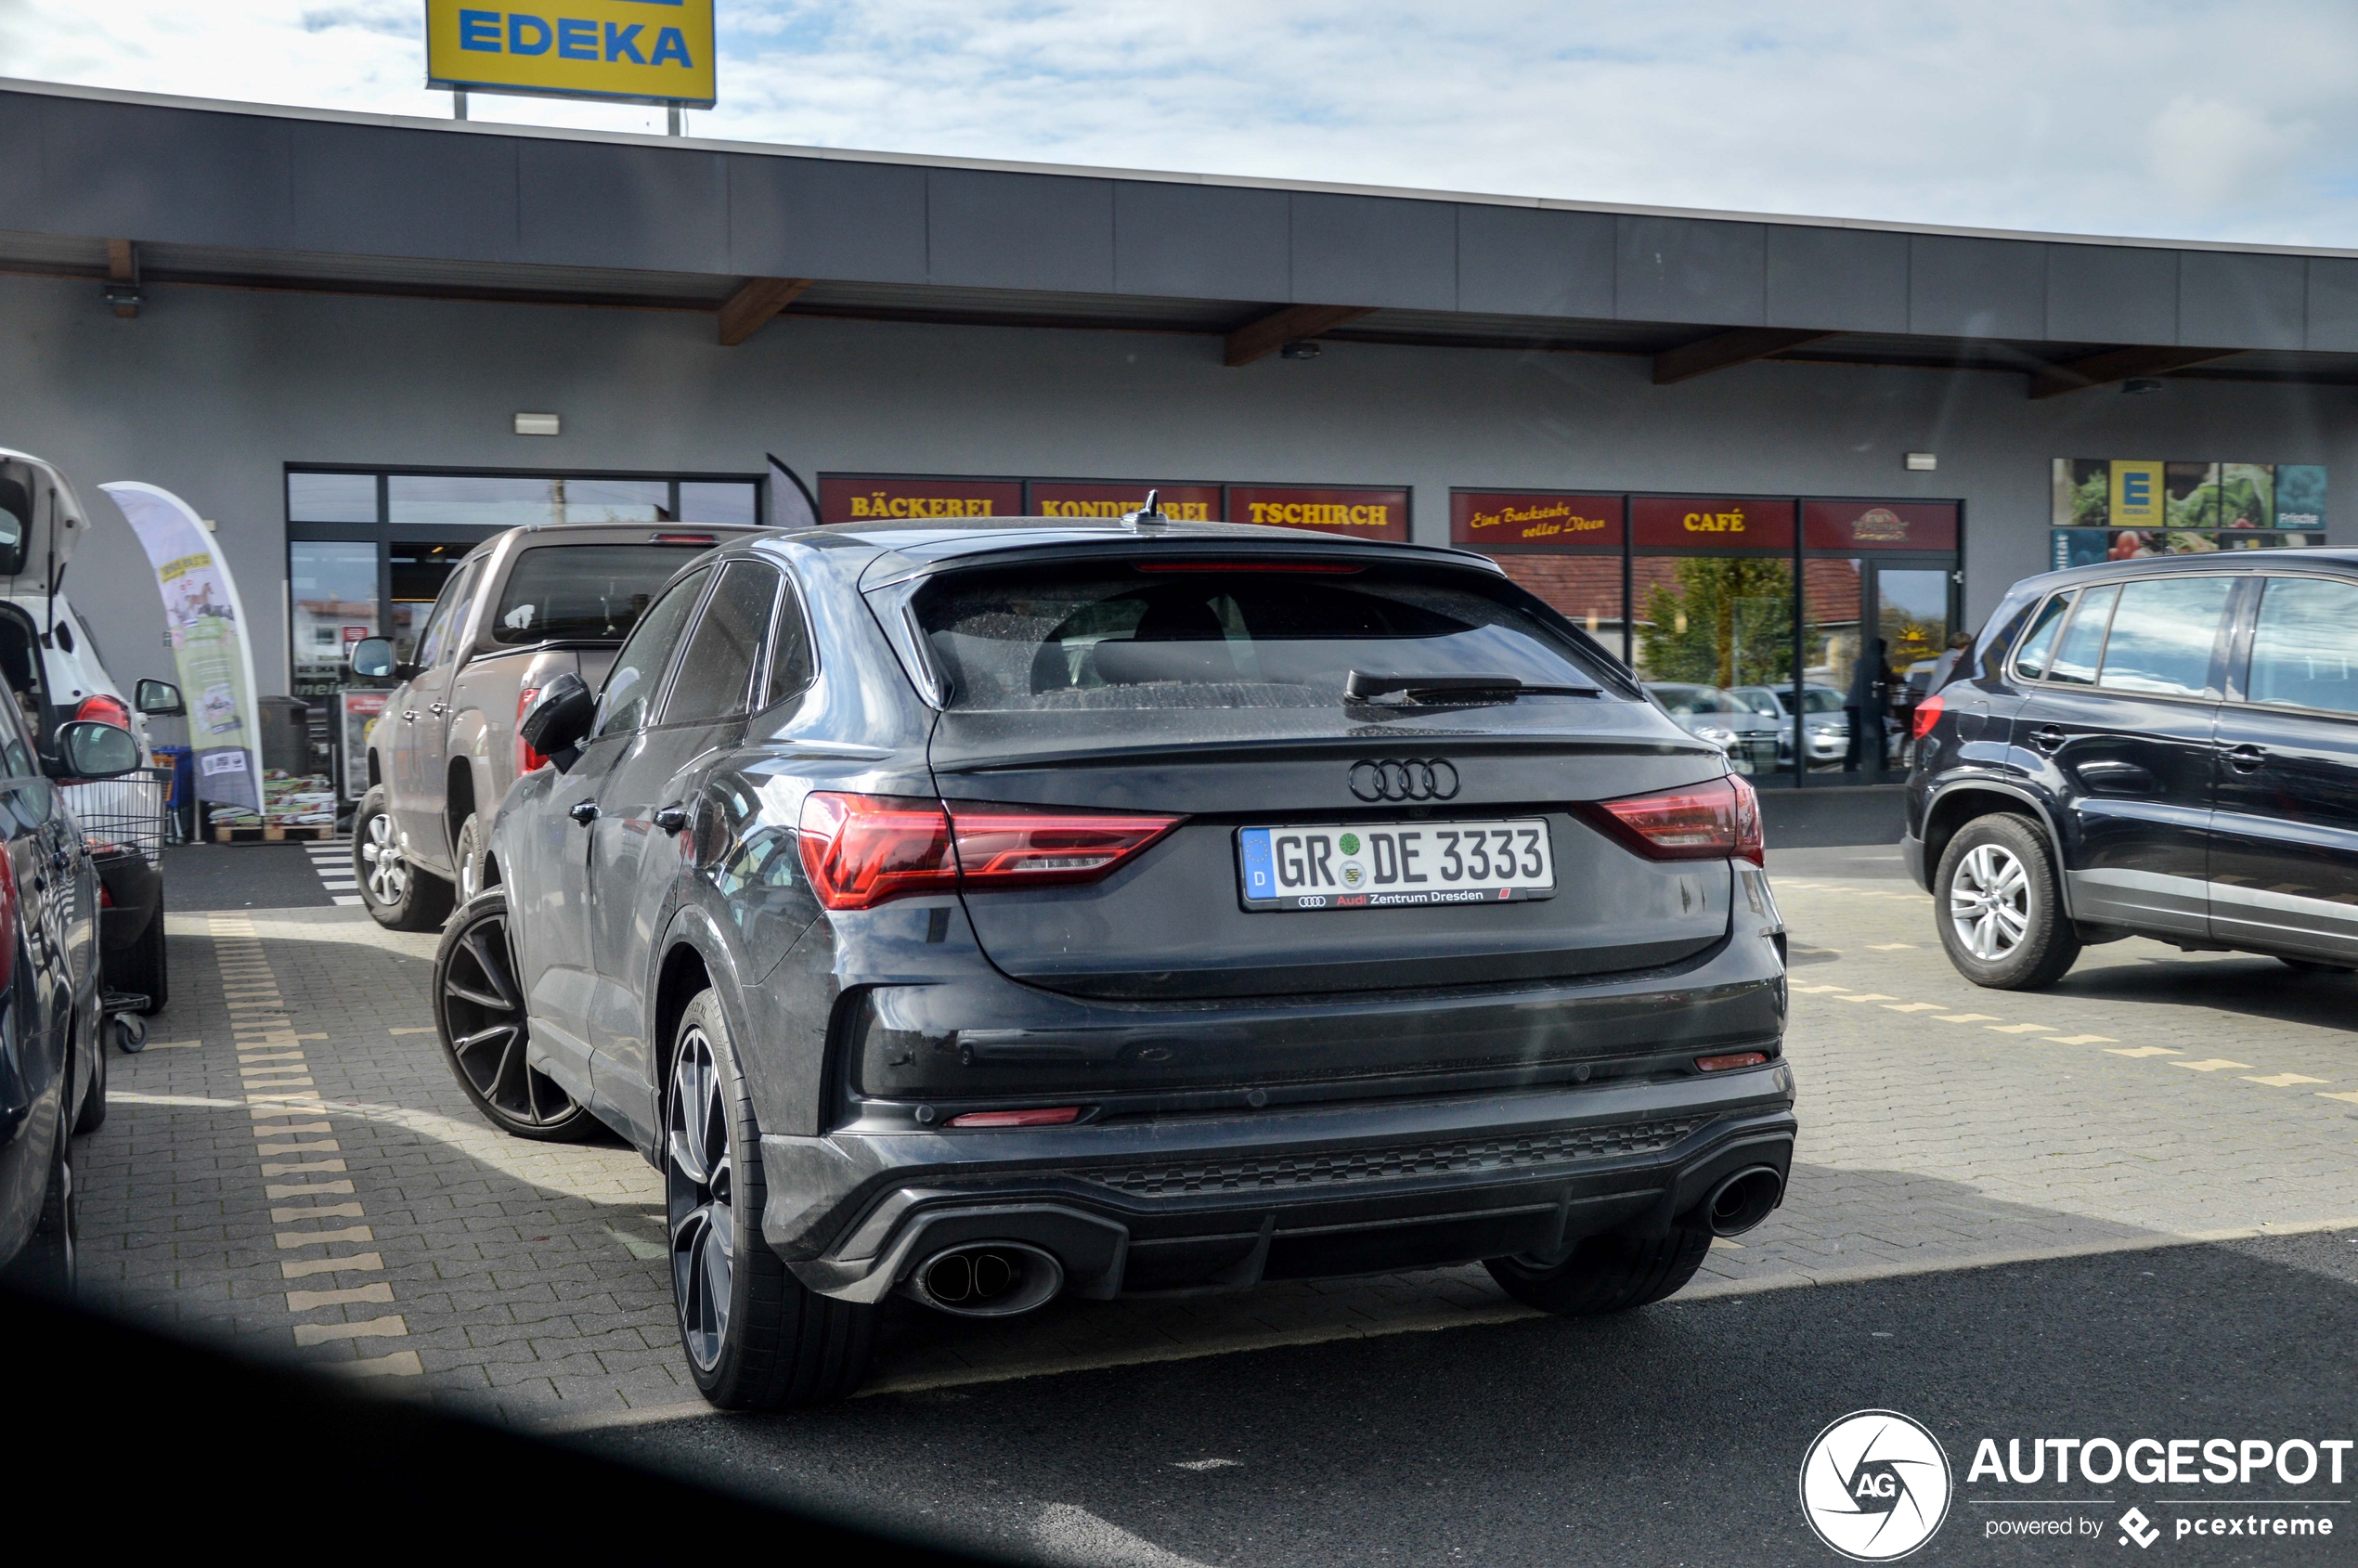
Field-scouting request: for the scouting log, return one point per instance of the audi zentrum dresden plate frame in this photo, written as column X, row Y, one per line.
column 1395, row 865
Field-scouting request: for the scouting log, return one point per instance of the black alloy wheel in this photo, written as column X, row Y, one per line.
column 48, row 1265
column 479, row 1013
column 700, row 1193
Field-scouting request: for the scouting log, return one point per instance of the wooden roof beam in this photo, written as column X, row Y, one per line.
column 123, row 278
column 1724, row 350
column 1264, row 336
column 747, row 310
column 2117, row 365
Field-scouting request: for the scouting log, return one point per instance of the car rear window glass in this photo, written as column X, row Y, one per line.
column 1163, row 635
column 2083, row 639
column 2304, row 647
column 2162, row 634
column 2039, row 646
column 716, row 673
column 1820, row 699
column 623, row 703
column 1685, row 700
column 583, row 593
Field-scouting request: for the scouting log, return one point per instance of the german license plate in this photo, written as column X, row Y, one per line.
column 1387, row 866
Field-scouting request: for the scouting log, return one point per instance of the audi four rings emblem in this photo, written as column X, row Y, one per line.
column 1410, row 779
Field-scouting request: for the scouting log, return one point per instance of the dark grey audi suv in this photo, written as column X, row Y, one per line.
column 980, row 914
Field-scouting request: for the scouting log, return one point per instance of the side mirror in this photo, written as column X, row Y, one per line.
column 92, row 751
column 559, row 719
column 158, row 699
column 372, row 658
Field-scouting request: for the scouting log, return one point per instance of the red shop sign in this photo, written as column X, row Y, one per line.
column 1671, row 522
column 886, row 501
column 1482, row 519
column 1181, row 503
column 1879, row 525
column 1363, row 514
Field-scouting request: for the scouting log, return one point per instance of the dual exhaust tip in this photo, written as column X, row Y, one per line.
column 987, row 1280
column 1742, row 1200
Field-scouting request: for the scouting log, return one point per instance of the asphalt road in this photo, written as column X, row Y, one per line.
column 1672, row 1435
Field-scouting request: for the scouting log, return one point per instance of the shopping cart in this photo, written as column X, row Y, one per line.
column 124, row 813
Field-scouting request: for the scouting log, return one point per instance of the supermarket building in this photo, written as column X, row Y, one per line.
column 1786, row 454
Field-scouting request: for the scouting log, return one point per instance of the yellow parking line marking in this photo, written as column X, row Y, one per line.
column 365, row 1262
column 176, row 1046
column 351, row 1295
column 313, row 1238
column 1968, row 1018
column 400, row 1364
column 2082, row 1039
column 299, row 1190
column 2215, row 1064
column 290, row 1214
column 387, row 1327
column 1866, row 996
column 1888, row 946
column 2143, row 1051
column 296, row 1166
column 428, row 1030
column 2283, row 1079
column 1914, row 1007
column 2346, row 1098
column 1815, row 990
column 2021, row 1029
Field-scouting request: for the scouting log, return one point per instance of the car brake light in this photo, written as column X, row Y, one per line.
column 685, row 538
column 860, row 850
column 1059, row 1117
column 527, row 759
column 1716, row 1063
column 1320, row 568
column 1716, row 820
column 100, row 708
column 1927, row 715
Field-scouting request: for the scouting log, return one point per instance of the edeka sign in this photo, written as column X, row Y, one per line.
column 1534, row 519
column 637, row 51
column 1363, row 514
column 887, row 501
column 1681, row 522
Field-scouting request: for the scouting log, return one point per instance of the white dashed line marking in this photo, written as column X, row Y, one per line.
column 2021, row 1029
column 2283, row 1079
column 2216, row 1063
column 1914, row 1007
column 2082, row 1039
column 2143, row 1051
column 1968, row 1018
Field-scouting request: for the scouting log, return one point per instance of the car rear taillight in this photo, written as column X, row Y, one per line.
column 1717, row 821
column 1060, row 1116
column 860, row 850
column 526, row 759
column 100, row 708
column 1722, row 1063
column 1927, row 715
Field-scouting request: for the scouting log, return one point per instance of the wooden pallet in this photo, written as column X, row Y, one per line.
column 226, row 835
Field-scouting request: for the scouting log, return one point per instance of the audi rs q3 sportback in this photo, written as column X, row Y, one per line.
column 984, row 912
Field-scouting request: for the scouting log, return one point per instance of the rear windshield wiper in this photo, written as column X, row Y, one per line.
column 1364, row 686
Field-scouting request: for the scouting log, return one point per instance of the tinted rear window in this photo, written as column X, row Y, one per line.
column 1084, row 637
column 583, row 591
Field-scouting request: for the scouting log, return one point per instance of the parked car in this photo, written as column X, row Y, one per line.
column 53, row 1056
column 521, row 608
column 1750, row 739
column 1825, row 723
column 990, row 913
column 2164, row 747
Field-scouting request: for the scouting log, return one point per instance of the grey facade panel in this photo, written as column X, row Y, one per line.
column 647, row 208
column 2111, row 293
column 1846, row 279
column 2333, row 304
column 1689, row 269
column 1020, row 232
column 1199, row 241
column 174, row 175
column 365, row 191
column 2241, row 302
column 1374, row 251
column 20, row 170
column 1523, row 261
column 812, row 217
column 1977, row 288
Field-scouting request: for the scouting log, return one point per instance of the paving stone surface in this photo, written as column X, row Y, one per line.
column 291, row 1169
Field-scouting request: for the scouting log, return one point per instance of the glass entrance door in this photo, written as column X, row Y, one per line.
column 1911, row 627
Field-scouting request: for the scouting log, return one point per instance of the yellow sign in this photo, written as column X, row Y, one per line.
column 633, row 51
column 2137, row 495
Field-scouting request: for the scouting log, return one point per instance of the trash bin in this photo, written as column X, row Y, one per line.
column 180, row 799
column 286, row 736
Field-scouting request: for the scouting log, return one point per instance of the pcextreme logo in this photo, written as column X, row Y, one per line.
column 1875, row 1485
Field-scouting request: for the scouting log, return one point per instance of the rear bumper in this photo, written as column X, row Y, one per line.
column 1911, row 849
column 1223, row 1201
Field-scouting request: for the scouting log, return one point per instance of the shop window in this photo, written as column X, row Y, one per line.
column 494, row 501
column 710, row 502
column 332, row 498
column 332, row 586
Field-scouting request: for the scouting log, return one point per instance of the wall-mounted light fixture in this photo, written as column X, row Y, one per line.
column 1301, row 349
column 536, row 424
column 1923, row 463
column 2140, row 386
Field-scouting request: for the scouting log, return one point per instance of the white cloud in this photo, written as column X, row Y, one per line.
column 2189, row 119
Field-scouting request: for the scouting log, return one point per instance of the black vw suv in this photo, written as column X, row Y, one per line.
column 988, row 913
column 2165, row 748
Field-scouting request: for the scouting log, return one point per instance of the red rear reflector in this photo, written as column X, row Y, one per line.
column 527, row 759
column 100, row 708
column 105, row 899
column 685, row 538
column 1721, row 1064
column 1059, row 1117
column 1318, row 568
column 862, row 851
column 1719, row 820
column 1927, row 715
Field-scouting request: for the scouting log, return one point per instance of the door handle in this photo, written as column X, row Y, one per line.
column 672, row 819
column 2048, row 738
column 585, row 814
column 410, row 715
column 437, row 709
column 2244, row 759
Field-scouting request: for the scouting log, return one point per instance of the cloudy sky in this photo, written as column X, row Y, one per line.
column 2170, row 118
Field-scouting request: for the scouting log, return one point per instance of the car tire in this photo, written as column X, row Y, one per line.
column 1998, row 904
column 143, row 966
column 2313, row 966
column 479, row 1014
column 755, row 1337
column 93, row 1112
column 398, row 896
column 467, row 856
column 1604, row 1274
column 46, row 1265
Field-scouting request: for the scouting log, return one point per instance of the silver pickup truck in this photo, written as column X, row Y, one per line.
column 522, row 607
